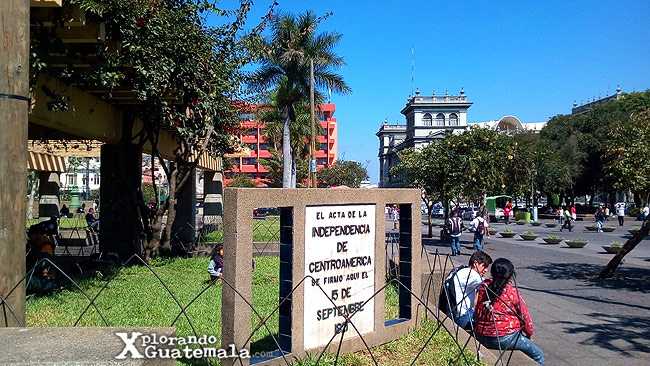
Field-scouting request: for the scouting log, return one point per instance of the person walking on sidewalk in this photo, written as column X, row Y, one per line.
column 620, row 212
column 567, row 220
column 502, row 320
column 480, row 226
column 600, row 219
column 507, row 211
column 455, row 228
column 574, row 212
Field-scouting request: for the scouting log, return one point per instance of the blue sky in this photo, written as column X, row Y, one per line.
column 531, row 59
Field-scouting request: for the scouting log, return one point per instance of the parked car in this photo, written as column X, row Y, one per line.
column 438, row 211
column 469, row 213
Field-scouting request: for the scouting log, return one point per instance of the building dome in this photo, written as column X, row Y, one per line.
column 509, row 123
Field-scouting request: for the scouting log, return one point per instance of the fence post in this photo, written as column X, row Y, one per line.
column 14, row 104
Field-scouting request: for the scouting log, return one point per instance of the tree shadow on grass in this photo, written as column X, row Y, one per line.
column 619, row 333
column 626, row 278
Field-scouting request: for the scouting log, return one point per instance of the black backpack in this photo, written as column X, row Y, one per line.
column 480, row 228
column 455, row 225
column 447, row 299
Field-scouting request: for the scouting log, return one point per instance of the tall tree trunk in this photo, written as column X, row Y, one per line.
column 615, row 262
column 293, row 172
column 286, row 151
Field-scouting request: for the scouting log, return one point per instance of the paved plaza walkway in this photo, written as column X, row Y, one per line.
column 579, row 320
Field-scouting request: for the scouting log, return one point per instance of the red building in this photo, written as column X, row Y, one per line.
column 257, row 145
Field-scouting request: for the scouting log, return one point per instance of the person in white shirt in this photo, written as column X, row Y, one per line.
column 480, row 226
column 646, row 212
column 466, row 284
column 620, row 213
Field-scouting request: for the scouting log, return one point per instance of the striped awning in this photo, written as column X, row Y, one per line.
column 45, row 162
column 208, row 162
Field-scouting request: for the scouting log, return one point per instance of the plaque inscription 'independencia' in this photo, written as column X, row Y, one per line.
column 340, row 256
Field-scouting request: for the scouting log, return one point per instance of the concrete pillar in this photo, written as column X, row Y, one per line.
column 14, row 104
column 48, row 191
column 213, row 199
column 120, row 222
column 184, row 227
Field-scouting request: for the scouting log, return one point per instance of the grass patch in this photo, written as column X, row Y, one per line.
column 264, row 230
column 64, row 223
column 441, row 350
column 136, row 298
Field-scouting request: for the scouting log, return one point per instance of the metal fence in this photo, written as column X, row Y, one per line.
column 47, row 277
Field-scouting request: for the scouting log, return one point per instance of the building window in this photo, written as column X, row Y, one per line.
column 96, row 179
column 251, row 132
column 250, row 161
column 234, row 162
column 246, row 117
column 440, row 119
column 264, row 146
column 427, row 120
column 84, row 180
column 252, row 147
column 71, row 179
column 323, row 147
column 321, row 161
column 453, row 119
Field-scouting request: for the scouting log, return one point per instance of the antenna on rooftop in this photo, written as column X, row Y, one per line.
column 412, row 70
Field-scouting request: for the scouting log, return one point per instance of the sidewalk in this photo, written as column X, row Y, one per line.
column 579, row 321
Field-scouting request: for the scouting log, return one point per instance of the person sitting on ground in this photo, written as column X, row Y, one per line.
column 455, row 228
column 501, row 319
column 459, row 296
column 91, row 220
column 65, row 211
column 215, row 266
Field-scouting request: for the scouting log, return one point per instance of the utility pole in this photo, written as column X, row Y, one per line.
column 14, row 107
column 312, row 147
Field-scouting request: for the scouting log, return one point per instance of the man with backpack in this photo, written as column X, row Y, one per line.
column 455, row 228
column 457, row 298
column 480, row 226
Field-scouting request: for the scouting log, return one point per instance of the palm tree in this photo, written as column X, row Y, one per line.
column 300, row 132
column 285, row 68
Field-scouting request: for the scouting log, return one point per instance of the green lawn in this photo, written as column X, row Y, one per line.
column 264, row 230
column 64, row 223
column 136, row 298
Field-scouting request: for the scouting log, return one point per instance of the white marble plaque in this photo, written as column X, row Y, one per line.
column 340, row 256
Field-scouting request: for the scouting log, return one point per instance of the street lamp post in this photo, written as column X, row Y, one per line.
column 312, row 147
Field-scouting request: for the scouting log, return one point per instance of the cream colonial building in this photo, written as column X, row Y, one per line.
column 429, row 118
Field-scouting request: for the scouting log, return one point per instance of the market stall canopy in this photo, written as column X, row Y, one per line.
column 44, row 162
